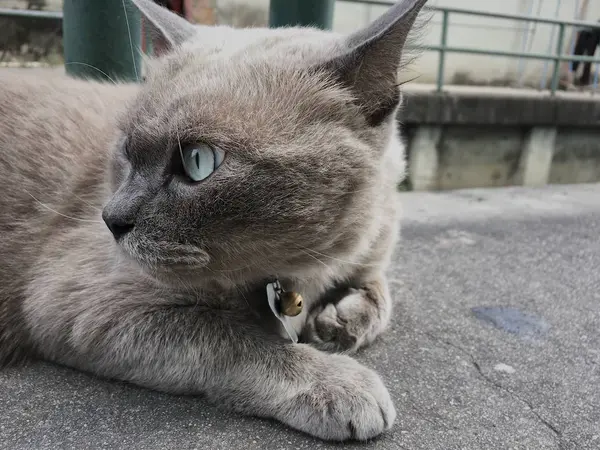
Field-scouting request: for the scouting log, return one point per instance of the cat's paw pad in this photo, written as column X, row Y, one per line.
column 347, row 325
column 348, row 402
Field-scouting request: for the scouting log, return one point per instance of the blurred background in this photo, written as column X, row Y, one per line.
column 502, row 93
column 26, row 41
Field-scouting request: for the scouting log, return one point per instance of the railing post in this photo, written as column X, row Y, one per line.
column 559, row 51
column 442, row 52
column 102, row 39
column 317, row 13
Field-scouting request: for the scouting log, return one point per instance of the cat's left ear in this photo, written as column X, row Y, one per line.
column 372, row 58
column 168, row 30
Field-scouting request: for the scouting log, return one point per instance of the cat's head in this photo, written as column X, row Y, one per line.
column 259, row 152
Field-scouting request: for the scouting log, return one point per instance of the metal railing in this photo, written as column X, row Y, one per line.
column 30, row 14
column 443, row 48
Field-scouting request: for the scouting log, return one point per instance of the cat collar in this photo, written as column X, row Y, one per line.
column 284, row 304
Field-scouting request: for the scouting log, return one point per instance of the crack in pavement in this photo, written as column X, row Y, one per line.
column 557, row 433
column 549, row 425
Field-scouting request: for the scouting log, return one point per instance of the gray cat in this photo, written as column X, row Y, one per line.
column 142, row 224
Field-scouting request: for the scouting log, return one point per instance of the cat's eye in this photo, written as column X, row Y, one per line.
column 200, row 160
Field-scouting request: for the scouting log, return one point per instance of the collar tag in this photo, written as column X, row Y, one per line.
column 274, row 291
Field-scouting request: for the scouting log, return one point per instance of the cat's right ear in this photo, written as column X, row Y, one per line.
column 372, row 58
column 167, row 29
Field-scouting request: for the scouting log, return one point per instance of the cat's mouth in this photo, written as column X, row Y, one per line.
column 165, row 256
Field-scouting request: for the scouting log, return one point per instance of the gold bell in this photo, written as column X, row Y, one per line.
column 291, row 303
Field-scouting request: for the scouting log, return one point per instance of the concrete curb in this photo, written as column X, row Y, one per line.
column 490, row 137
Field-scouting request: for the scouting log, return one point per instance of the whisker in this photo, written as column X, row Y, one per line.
column 315, row 258
column 137, row 77
column 88, row 203
column 61, row 214
column 93, row 67
column 179, row 144
column 333, row 258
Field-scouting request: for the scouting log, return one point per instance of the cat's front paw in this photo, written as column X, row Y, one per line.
column 349, row 324
column 347, row 401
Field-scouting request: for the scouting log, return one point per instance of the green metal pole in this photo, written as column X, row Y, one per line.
column 102, row 39
column 442, row 54
column 317, row 13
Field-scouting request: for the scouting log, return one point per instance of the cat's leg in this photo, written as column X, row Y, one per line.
column 357, row 311
column 235, row 362
column 352, row 317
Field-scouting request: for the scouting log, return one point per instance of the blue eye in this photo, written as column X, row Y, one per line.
column 200, row 160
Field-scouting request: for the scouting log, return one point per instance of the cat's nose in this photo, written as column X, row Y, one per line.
column 121, row 212
column 118, row 226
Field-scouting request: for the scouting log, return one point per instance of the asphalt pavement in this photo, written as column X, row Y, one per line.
column 495, row 344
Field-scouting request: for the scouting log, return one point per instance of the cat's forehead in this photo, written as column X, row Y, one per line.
column 251, row 84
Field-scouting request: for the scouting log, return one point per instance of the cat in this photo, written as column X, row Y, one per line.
column 141, row 223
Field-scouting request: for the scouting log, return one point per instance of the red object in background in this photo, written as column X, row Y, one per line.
column 177, row 6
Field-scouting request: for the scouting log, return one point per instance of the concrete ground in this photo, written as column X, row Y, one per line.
column 495, row 344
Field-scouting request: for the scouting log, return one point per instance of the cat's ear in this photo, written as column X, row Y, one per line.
column 372, row 58
column 167, row 29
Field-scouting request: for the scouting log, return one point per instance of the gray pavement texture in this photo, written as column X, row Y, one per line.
column 495, row 344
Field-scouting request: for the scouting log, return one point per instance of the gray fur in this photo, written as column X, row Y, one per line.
column 307, row 193
column 170, row 29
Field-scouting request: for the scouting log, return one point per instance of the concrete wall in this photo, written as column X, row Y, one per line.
column 476, row 137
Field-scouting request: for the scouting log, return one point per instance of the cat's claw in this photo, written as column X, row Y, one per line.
column 351, row 323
